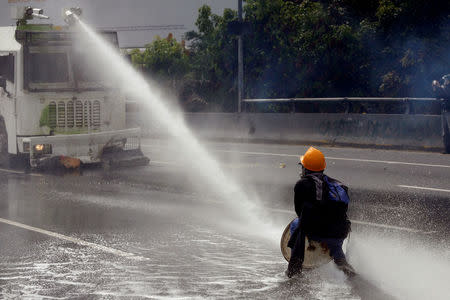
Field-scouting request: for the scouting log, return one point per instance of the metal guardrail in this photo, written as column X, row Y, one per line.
column 346, row 101
column 359, row 99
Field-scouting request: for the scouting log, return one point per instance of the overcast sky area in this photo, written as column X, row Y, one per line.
column 119, row 13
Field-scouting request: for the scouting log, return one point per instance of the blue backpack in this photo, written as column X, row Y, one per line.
column 329, row 189
column 337, row 191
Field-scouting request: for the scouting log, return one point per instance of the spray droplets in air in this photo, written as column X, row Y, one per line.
column 131, row 83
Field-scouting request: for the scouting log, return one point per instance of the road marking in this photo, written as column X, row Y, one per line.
column 424, row 188
column 158, row 162
column 342, row 158
column 258, row 153
column 389, row 162
column 366, row 223
column 20, row 172
column 328, row 157
column 74, row 240
column 392, row 227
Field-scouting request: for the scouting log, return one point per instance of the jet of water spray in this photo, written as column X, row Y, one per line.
column 133, row 84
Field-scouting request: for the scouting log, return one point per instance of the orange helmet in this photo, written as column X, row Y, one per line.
column 313, row 160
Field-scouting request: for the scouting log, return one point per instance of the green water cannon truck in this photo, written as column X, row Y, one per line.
column 54, row 109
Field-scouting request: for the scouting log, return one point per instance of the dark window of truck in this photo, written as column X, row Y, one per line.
column 7, row 67
column 49, row 67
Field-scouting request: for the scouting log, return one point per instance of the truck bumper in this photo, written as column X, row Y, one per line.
column 71, row 150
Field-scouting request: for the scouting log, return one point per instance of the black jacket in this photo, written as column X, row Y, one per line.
column 327, row 219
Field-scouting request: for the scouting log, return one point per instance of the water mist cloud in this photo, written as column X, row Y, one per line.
column 407, row 269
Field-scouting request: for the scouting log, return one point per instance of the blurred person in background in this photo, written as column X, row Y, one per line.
column 442, row 91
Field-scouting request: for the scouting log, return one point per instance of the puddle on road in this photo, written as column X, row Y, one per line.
column 193, row 263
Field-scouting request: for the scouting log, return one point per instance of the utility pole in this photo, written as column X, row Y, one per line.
column 240, row 60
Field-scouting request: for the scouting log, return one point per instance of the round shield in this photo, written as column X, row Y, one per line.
column 316, row 253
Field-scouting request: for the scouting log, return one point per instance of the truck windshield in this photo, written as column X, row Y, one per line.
column 61, row 68
column 56, row 61
column 49, row 67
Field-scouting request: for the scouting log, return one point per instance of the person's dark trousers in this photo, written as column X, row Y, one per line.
column 334, row 244
column 336, row 252
column 445, row 124
column 297, row 245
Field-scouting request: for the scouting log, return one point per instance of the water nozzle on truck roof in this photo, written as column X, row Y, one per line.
column 23, row 14
column 31, row 12
column 71, row 15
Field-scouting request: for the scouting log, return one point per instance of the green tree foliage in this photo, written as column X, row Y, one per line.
column 311, row 48
column 214, row 59
column 413, row 45
column 346, row 47
column 163, row 58
column 302, row 48
column 167, row 61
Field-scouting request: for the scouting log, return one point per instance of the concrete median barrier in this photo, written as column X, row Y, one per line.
column 420, row 132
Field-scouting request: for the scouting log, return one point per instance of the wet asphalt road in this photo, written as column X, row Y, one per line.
column 159, row 232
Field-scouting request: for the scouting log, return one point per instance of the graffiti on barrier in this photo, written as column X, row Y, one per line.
column 379, row 128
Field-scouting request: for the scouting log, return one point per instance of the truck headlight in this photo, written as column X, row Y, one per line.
column 42, row 149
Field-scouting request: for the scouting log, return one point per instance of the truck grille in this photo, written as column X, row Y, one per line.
column 74, row 114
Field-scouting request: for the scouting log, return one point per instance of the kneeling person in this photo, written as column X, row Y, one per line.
column 321, row 204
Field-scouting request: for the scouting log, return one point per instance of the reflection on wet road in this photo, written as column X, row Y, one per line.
column 177, row 240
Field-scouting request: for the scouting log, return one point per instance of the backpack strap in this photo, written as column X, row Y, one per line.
column 318, row 179
column 329, row 179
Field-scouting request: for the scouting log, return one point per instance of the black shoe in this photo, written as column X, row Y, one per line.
column 291, row 273
column 294, row 267
column 345, row 267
